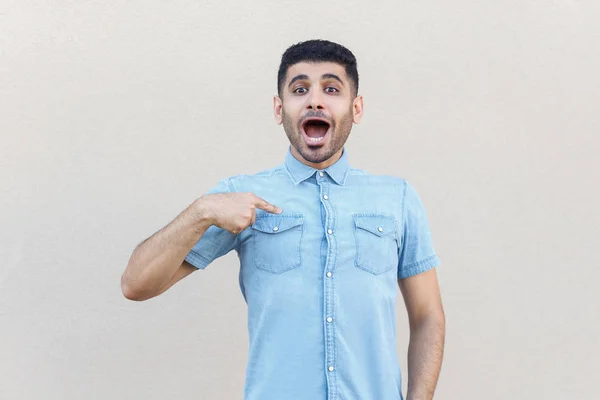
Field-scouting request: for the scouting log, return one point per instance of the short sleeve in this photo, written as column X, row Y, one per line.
column 215, row 242
column 416, row 253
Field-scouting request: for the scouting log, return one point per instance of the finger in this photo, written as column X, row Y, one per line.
column 264, row 205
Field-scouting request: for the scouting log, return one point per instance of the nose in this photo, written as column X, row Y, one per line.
column 315, row 101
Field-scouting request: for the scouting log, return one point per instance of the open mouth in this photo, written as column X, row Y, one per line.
column 315, row 130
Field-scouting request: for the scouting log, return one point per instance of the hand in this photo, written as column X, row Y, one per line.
column 234, row 212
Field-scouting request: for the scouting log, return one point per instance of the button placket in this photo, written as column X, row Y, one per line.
column 328, row 287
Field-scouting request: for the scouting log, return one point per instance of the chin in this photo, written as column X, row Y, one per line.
column 316, row 155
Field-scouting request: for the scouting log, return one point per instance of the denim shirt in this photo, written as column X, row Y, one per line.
column 321, row 278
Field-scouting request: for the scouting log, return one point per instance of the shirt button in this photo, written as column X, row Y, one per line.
column 325, row 196
column 331, row 368
column 380, row 229
column 329, row 274
column 275, row 229
column 320, row 174
column 329, row 231
column 329, row 319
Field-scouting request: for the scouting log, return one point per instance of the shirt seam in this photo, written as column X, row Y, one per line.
column 419, row 266
column 197, row 260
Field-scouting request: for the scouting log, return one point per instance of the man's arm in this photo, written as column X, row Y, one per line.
column 158, row 262
column 427, row 330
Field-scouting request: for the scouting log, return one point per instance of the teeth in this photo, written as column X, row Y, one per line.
column 316, row 140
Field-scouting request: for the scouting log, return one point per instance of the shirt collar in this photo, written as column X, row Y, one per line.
column 299, row 171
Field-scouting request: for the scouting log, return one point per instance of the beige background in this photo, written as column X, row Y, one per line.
column 114, row 116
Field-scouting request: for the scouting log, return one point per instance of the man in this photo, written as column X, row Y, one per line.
column 322, row 248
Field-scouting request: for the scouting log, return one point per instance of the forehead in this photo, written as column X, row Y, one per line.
column 315, row 70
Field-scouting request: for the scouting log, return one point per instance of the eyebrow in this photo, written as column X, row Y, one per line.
column 324, row 76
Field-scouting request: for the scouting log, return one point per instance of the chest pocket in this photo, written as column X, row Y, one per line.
column 276, row 240
column 376, row 242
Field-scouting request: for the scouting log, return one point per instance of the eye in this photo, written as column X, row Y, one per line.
column 300, row 90
column 331, row 89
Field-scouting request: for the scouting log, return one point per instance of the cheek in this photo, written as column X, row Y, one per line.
column 292, row 107
column 341, row 107
column 287, row 119
column 344, row 113
column 289, row 113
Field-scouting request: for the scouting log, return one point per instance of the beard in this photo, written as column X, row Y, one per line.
column 338, row 134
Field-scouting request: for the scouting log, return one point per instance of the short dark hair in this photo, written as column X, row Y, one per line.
column 318, row 50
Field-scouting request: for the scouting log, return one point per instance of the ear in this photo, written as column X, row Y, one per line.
column 357, row 109
column 277, row 108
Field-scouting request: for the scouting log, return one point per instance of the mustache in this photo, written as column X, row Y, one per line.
column 315, row 114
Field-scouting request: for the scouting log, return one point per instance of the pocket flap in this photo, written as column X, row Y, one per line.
column 276, row 223
column 380, row 225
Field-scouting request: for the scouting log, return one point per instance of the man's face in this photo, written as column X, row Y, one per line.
column 317, row 108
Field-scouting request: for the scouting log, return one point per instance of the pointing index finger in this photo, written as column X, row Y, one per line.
column 265, row 205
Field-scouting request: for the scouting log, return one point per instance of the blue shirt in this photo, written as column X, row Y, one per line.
column 321, row 278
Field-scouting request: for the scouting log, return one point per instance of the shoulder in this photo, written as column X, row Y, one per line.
column 363, row 177
column 270, row 176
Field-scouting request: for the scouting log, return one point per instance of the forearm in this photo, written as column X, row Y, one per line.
column 425, row 353
column 154, row 261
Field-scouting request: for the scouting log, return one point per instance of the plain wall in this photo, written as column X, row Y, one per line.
column 115, row 116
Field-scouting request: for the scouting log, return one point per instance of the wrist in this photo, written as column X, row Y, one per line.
column 201, row 213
